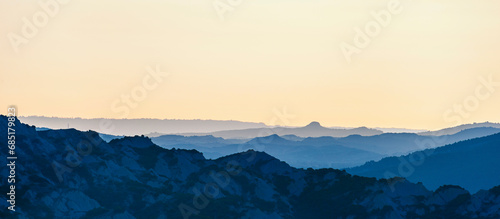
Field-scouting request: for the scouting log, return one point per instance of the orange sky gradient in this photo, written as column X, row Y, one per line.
column 264, row 55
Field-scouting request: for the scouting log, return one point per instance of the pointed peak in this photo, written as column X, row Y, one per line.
column 274, row 138
column 314, row 124
column 362, row 128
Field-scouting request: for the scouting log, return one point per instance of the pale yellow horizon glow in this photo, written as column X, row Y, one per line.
column 265, row 55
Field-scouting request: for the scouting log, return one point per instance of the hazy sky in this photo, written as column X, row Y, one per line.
column 264, row 55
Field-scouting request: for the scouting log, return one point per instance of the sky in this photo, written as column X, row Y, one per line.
column 427, row 65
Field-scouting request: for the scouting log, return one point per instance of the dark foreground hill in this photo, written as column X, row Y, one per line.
column 74, row 174
column 473, row 164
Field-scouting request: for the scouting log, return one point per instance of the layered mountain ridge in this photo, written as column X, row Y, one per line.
column 325, row 151
column 66, row 173
column 473, row 164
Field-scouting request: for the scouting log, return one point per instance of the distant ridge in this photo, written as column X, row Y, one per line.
column 313, row 129
column 131, row 127
column 400, row 130
column 225, row 129
column 456, row 129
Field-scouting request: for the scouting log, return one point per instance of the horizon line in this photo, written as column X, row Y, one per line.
column 270, row 126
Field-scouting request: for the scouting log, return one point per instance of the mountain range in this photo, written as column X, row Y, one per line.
column 74, row 174
column 472, row 164
column 224, row 129
column 321, row 152
column 314, row 129
column 131, row 127
column 456, row 129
